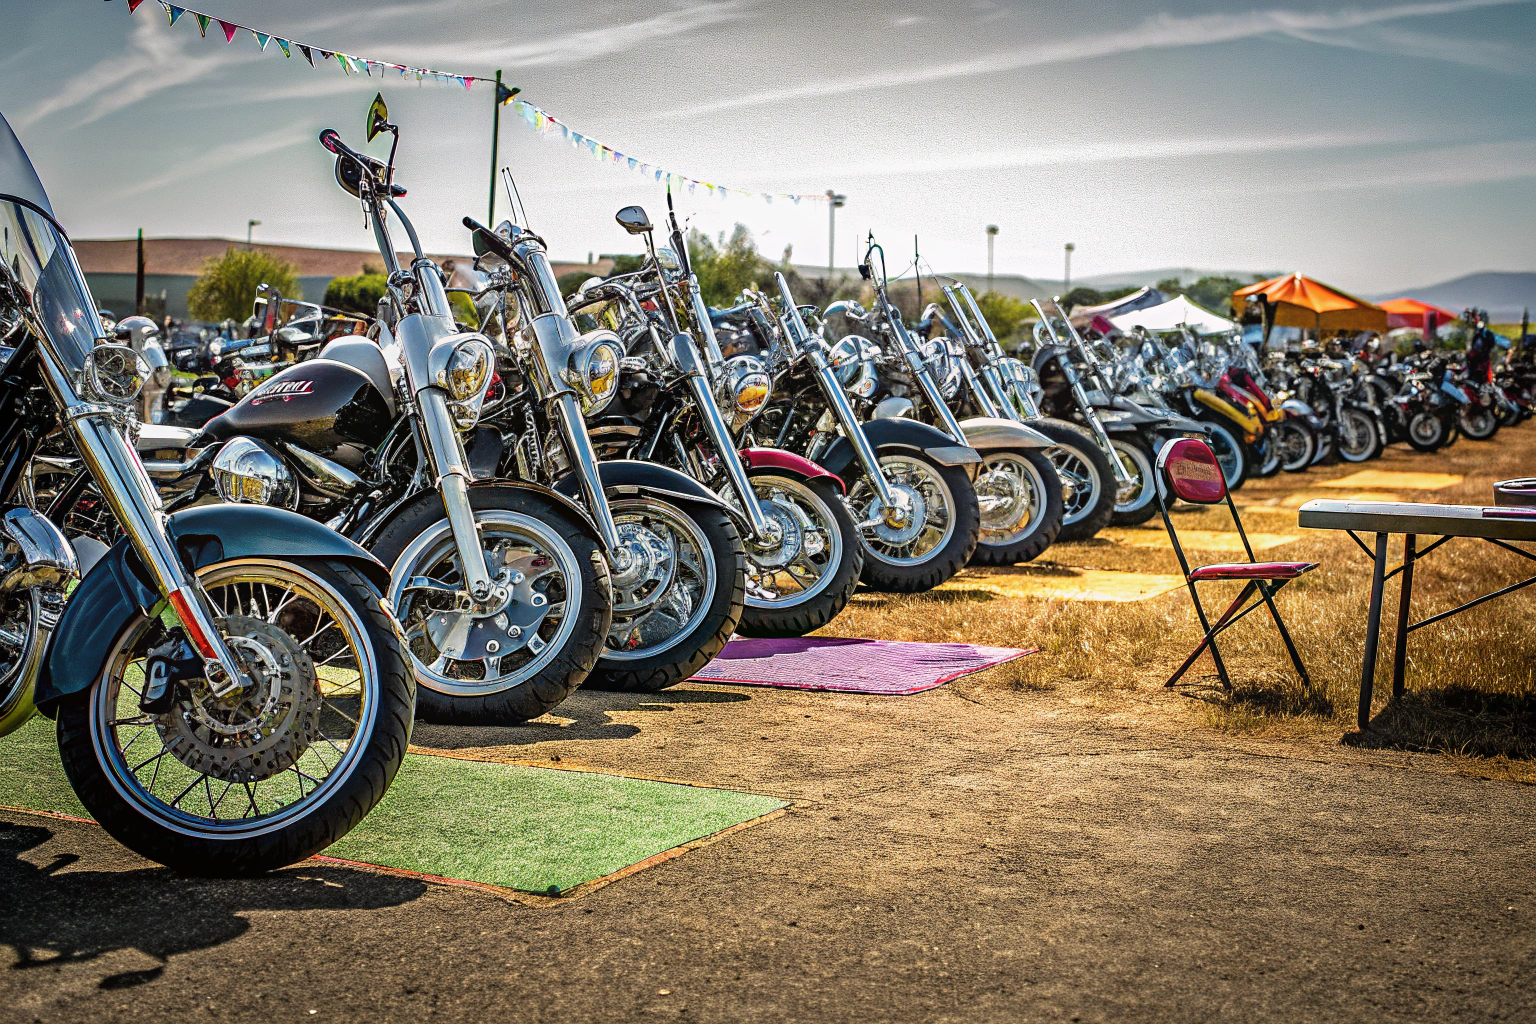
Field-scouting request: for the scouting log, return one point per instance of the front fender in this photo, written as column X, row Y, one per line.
column 625, row 477
column 779, row 460
column 989, row 433
column 118, row 589
column 377, row 524
column 1251, row 424
column 898, row 435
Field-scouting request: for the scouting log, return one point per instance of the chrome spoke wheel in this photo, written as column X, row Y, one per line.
column 809, row 550
column 663, row 579
column 932, row 512
column 251, row 761
column 1080, row 485
column 1011, row 496
column 465, row 649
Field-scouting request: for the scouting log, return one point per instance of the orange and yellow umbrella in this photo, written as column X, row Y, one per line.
column 1299, row 301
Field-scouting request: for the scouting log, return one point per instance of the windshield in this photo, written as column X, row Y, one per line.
column 38, row 272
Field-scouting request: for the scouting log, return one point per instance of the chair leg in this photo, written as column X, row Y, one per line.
column 1285, row 634
column 1210, row 640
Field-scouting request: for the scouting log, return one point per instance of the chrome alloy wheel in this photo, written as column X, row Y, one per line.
column 931, row 521
column 663, row 579
column 809, row 550
column 463, row 650
column 1011, row 495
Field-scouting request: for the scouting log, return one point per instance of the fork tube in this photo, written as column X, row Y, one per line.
column 1089, row 412
column 453, row 477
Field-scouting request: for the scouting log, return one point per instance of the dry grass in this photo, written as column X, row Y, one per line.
column 1471, row 679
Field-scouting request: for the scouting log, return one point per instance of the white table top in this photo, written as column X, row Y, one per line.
column 1411, row 517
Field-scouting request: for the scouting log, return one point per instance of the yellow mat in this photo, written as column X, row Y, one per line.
column 1199, row 540
column 1079, row 585
column 1386, row 478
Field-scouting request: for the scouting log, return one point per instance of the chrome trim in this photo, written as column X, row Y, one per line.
column 453, row 477
column 46, row 557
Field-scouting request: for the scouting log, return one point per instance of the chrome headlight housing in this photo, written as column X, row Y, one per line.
column 943, row 365
column 745, row 387
column 248, row 471
column 115, row 374
column 461, row 365
column 594, row 370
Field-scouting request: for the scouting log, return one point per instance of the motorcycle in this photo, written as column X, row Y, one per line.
column 229, row 690
column 678, row 406
column 678, row 564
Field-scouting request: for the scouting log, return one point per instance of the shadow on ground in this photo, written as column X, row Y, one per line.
column 1455, row 720
column 52, row 916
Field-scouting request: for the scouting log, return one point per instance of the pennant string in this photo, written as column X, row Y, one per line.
column 537, row 119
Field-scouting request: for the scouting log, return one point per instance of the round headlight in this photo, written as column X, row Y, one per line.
column 115, row 373
column 594, row 374
column 465, row 369
column 215, row 349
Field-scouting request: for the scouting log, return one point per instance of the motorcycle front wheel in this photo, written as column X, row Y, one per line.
column 1478, row 422
column 1427, row 431
column 936, row 541
column 1135, row 502
column 1359, row 438
column 1230, row 451
column 519, row 658
column 1019, row 497
column 1296, row 444
column 803, row 583
column 679, row 586
column 1087, row 479
column 270, row 774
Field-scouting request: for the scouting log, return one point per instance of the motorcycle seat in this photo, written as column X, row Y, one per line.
column 362, row 354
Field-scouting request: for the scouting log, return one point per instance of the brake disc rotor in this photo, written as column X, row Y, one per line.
column 257, row 731
column 648, row 571
column 917, row 518
column 792, row 535
column 508, row 625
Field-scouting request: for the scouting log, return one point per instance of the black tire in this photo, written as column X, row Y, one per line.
column 806, row 616
column 353, row 797
column 1230, row 450
column 1144, row 505
column 1264, row 458
column 698, row 647
column 567, row 667
column 1078, row 455
column 1478, row 422
column 1297, row 443
column 1047, row 524
column 943, row 561
column 1427, row 431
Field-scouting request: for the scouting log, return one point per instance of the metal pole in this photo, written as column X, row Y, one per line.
column 248, row 226
column 991, row 237
column 834, row 200
column 138, row 279
column 490, row 217
column 1066, row 285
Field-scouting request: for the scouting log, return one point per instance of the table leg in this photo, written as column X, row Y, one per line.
column 1400, row 649
column 1372, row 631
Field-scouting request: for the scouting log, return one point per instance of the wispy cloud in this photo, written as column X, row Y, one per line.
column 222, row 156
column 153, row 62
column 1165, row 31
column 1472, row 163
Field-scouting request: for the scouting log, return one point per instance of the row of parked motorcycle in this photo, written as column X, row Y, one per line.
column 235, row 597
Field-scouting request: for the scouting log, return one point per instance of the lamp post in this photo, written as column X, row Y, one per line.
column 248, row 226
column 834, row 200
column 991, row 238
column 1066, row 285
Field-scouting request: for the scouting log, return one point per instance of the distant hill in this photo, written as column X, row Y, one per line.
column 1026, row 288
column 1504, row 294
column 1188, row 275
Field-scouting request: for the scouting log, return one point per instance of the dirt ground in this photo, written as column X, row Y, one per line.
column 1060, row 839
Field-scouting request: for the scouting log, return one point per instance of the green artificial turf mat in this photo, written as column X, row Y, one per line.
column 533, row 829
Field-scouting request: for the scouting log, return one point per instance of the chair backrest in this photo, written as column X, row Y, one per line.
column 1192, row 472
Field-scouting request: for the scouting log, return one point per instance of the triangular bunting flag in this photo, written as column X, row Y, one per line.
column 505, row 94
column 202, row 23
column 283, row 43
column 326, row 54
column 261, row 40
column 133, row 5
column 174, row 12
column 229, row 31
column 308, row 54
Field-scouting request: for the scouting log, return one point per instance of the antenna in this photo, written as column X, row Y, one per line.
column 509, row 183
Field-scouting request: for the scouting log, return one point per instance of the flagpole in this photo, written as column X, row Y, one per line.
column 490, row 219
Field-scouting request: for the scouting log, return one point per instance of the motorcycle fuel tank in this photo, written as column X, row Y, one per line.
column 318, row 405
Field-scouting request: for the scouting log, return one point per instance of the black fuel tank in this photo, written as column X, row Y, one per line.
column 317, row 405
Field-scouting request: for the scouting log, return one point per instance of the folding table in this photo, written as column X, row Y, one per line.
column 1499, row 526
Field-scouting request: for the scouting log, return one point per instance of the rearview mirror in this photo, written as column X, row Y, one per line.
column 634, row 220
column 378, row 117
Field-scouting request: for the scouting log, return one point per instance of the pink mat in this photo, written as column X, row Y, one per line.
column 850, row 666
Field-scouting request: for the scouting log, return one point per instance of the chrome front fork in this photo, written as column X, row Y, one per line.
column 453, row 478
column 573, row 430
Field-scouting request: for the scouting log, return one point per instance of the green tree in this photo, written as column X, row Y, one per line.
column 226, row 289
column 1004, row 313
column 359, row 294
column 724, row 269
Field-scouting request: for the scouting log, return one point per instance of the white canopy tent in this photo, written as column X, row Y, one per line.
column 1176, row 312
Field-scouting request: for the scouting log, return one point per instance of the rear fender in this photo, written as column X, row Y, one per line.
column 1250, row 424
column 779, row 461
column 118, row 590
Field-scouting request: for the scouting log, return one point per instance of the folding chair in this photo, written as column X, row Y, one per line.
column 1191, row 472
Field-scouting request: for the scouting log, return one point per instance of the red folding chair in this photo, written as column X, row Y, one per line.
column 1191, row 473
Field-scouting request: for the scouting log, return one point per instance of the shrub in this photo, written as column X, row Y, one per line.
column 359, row 294
column 226, row 289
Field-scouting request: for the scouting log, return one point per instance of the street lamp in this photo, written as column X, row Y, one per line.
column 1067, row 283
column 834, row 200
column 248, row 226
column 991, row 237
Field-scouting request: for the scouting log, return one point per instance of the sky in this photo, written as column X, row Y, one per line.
column 1378, row 146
